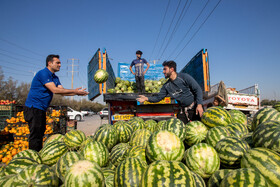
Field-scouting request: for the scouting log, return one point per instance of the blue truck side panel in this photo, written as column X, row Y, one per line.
column 110, row 83
column 93, row 66
column 153, row 73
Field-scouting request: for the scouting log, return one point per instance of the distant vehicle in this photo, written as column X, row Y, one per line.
column 90, row 113
column 103, row 113
column 84, row 112
column 73, row 114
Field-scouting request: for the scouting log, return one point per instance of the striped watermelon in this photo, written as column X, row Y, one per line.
column 101, row 76
column 54, row 138
column 244, row 177
column 151, row 125
column 140, row 137
column 165, row 145
column 52, row 152
column 263, row 115
column 124, row 131
column 215, row 134
column 65, row 162
column 8, row 181
column 177, row 126
column 29, row 153
column 267, row 135
column 167, row 173
column 88, row 139
column 137, row 124
column 110, row 166
column 238, row 117
column 265, row 161
column 277, row 106
column 119, row 153
column 202, row 159
column 135, row 119
column 107, row 135
column 129, row 172
column 73, row 139
column 249, row 139
column 237, row 129
column 217, row 177
column 84, row 173
column 18, row 164
column 230, row 150
column 97, row 152
column 160, row 124
column 138, row 151
column 199, row 182
column 2, row 169
column 195, row 132
column 216, row 116
column 109, row 177
column 37, row 175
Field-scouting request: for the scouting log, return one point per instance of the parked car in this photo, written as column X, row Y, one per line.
column 90, row 113
column 84, row 112
column 103, row 113
column 73, row 114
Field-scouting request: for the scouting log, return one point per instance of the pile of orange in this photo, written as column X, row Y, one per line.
column 9, row 150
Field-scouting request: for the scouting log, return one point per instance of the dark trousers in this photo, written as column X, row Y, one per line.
column 36, row 119
column 140, row 84
column 188, row 115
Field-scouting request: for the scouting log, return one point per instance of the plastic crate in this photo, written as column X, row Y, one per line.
column 71, row 125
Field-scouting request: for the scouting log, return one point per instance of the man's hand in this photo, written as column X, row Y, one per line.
column 142, row 98
column 81, row 92
column 199, row 110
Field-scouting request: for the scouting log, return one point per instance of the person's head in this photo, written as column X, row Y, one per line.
column 168, row 68
column 139, row 53
column 53, row 62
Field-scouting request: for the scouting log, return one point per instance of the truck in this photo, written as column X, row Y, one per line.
column 123, row 106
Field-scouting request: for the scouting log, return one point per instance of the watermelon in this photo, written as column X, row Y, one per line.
column 160, row 124
column 73, row 139
column 195, row 132
column 176, row 126
column 88, row 139
column 8, row 181
column 137, row 124
column 135, row 119
column 101, row 76
column 167, row 173
column 202, row 159
column 199, row 182
column 215, row 134
column 29, row 153
column 265, row 161
column 84, row 173
column 165, row 145
column 109, row 177
column 52, row 152
column 97, row 152
column 129, row 172
column 140, row 137
column 124, row 131
column 18, row 164
column 216, row 116
column 238, row 117
column 267, row 135
column 65, row 162
column 36, row 175
column 138, row 151
column 2, row 169
column 277, row 106
column 263, row 115
column 110, row 166
column 217, row 177
column 107, row 135
column 230, row 150
column 151, row 125
column 244, row 177
column 54, row 138
column 249, row 139
column 119, row 153
column 237, row 129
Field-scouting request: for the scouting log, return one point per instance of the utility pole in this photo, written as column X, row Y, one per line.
column 72, row 62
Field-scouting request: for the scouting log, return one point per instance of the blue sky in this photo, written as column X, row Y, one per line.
column 241, row 37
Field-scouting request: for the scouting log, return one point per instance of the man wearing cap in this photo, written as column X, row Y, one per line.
column 139, row 71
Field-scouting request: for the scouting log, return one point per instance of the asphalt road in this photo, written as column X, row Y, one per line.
column 90, row 124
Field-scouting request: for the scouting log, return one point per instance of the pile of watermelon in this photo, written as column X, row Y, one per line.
column 221, row 150
column 125, row 86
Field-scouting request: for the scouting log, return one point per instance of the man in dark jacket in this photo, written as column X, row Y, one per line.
column 184, row 89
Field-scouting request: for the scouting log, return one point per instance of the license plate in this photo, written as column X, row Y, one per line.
column 119, row 117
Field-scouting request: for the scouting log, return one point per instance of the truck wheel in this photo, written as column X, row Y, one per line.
column 78, row 118
column 101, row 117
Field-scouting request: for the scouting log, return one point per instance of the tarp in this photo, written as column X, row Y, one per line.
column 93, row 66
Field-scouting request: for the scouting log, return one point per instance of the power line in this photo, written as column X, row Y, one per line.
column 198, row 28
column 16, row 63
column 17, row 74
column 20, row 55
column 160, row 28
column 17, row 59
column 189, row 29
column 11, row 43
column 14, row 69
column 169, row 27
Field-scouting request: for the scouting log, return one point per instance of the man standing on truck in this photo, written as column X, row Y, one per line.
column 43, row 86
column 184, row 89
column 139, row 71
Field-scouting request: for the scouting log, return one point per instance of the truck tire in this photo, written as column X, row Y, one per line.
column 78, row 117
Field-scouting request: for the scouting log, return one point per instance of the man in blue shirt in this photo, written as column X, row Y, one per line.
column 139, row 71
column 43, row 86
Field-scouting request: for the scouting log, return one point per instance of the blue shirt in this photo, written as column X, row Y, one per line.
column 39, row 95
column 139, row 66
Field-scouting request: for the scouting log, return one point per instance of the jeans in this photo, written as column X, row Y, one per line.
column 140, row 84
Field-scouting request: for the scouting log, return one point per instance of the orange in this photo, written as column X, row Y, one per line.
column 4, row 160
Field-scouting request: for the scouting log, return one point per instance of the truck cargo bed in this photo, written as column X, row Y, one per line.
column 125, row 96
